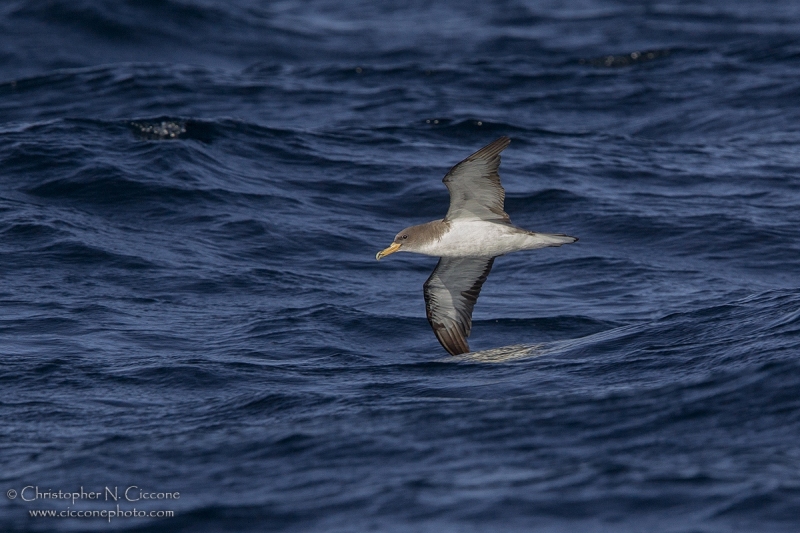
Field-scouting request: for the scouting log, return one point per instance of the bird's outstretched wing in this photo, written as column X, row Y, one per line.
column 450, row 295
column 474, row 185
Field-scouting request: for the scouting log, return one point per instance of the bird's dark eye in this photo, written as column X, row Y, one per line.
column 405, row 236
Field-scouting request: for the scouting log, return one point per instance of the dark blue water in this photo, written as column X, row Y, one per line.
column 191, row 197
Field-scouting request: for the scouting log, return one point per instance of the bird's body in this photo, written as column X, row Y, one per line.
column 478, row 238
column 475, row 230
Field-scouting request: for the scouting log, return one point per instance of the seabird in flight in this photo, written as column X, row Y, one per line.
column 474, row 231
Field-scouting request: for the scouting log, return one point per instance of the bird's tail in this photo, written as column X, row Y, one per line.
column 543, row 240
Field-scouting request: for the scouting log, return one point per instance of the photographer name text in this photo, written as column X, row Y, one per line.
column 132, row 493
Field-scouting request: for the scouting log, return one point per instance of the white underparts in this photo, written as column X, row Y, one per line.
column 478, row 238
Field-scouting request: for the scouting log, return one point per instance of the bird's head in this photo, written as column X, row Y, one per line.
column 407, row 240
column 397, row 244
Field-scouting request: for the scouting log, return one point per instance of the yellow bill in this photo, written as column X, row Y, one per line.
column 386, row 251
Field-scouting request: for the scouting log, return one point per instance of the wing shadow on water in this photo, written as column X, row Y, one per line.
column 504, row 354
column 521, row 352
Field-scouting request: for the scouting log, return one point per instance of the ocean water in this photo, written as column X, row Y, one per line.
column 192, row 193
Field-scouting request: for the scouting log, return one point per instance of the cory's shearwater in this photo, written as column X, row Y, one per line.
column 474, row 232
